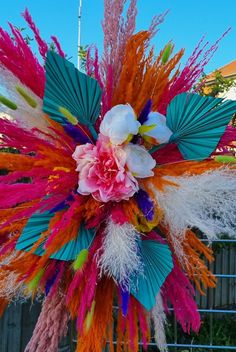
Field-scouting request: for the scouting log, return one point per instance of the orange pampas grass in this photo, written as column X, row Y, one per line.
column 12, row 162
column 96, row 338
column 195, row 266
column 3, row 305
column 142, row 77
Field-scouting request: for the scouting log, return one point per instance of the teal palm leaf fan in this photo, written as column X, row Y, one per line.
column 39, row 223
column 198, row 123
column 158, row 264
column 70, row 91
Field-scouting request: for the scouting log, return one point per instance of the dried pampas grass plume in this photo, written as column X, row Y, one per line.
column 206, row 201
column 119, row 256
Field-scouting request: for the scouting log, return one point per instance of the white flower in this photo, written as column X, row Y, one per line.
column 139, row 162
column 119, row 123
column 160, row 132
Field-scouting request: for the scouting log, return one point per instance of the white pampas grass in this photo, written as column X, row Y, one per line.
column 206, row 201
column 11, row 288
column 159, row 320
column 25, row 114
column 119, row 258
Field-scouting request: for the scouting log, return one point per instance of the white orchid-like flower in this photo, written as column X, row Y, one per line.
column 155, row 128
column 119, row 123
column 139, row 162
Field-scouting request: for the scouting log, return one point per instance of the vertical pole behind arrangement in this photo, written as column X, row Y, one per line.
column 79, row 32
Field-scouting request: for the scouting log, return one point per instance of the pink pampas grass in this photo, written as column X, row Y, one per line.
column 116, row 33
column 51, row 326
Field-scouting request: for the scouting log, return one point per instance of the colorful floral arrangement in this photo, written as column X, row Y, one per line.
column 108, row 177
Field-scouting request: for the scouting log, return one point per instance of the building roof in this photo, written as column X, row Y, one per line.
column 227, row 71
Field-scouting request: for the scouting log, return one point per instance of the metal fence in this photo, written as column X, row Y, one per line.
column 217, row 304
column 17, row 324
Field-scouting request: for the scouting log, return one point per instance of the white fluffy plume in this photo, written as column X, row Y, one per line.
column 26, row 115
column 159, row 320
column 119, row 258
column 11, row 288
column 206, row 201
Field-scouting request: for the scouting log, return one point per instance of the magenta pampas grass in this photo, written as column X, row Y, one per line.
column 178, row 290
column 227, row 141
column 92, row 64
column 18, row 58
column 143, row 326
column 64, row 223
column 8, row 247
column 88, row 295
column 169, row 154
column 20, row 192
column 13, row 136
column 42, row 45
column 107, row 95
column 191, row 73
column 89, row 290
column 61, row 267
column 58, row 46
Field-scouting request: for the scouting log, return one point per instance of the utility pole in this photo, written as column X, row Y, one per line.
column 79, row 32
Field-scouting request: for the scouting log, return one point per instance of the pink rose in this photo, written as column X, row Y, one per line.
column 103, row 173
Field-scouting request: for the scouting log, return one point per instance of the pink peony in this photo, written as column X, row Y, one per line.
column 102, row 171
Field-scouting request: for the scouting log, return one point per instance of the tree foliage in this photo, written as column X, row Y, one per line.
column 219, row 85
column 82, row 53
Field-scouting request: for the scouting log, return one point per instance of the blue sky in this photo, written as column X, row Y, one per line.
column 186, row 22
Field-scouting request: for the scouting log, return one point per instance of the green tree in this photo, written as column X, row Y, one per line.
column 82, row 52
column 220, row 85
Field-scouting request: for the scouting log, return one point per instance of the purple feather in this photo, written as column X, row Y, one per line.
column 145, row 204
column 58, row 207
column 51, row 282
column 62, row 205
column 125, row 296
column 76, row 133
column 144, row 113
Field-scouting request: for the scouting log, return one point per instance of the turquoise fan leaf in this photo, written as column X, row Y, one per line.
column 68, row 88
column 158, row 264
column 39, row 223
column 198, row 123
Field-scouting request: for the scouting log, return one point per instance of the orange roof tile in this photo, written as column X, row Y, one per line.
column 228, row 70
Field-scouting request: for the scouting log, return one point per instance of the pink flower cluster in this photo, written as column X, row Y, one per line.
column 103, row 172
